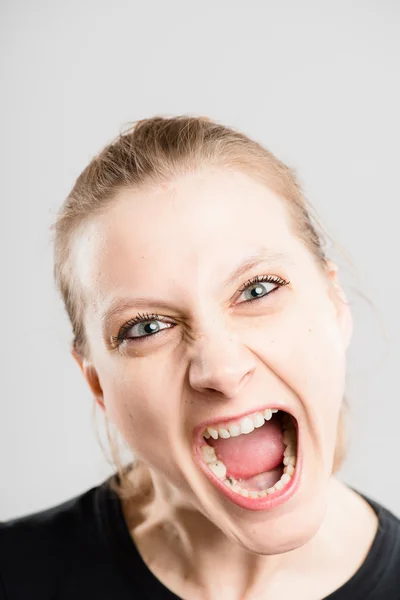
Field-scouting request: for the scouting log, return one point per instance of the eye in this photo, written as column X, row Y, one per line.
column 261, row 286
column 146, row 328
column 141, row 327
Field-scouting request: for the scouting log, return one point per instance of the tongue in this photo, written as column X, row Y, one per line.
column 249, row 454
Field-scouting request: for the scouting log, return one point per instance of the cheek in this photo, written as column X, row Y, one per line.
column 303, row 350
column 304, row 342
column 140, row 397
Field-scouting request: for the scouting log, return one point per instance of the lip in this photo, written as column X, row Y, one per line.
column 276, row 499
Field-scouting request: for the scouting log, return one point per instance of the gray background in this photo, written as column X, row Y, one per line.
column 317, row 82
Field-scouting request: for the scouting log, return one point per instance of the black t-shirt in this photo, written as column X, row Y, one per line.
column 82, row 550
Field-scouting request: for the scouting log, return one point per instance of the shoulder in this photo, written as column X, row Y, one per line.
column 61, row 516
column 383, row 561
column 389, row 522
column 390, row 526
column 42, row 551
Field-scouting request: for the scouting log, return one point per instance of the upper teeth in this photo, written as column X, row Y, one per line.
column 246, row 425
column 218, row 468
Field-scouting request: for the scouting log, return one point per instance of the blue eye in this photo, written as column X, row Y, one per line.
column 146, row 328
column 141, row 327
column 261, row 286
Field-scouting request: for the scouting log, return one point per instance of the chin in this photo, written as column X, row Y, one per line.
column 279, row 534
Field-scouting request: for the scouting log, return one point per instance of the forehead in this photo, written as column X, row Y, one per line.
column 196, row 227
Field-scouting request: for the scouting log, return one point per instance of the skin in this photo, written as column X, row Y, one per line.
column 174, row 246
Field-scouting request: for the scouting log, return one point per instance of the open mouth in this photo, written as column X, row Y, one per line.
column 253, row 460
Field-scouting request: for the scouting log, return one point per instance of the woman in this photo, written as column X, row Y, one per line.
column 212, row 331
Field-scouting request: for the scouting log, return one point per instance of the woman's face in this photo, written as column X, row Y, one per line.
column 213, row 348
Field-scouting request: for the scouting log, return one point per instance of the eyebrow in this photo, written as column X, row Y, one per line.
column 261, row 257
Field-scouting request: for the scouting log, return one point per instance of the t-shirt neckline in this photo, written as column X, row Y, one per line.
column 133, row 569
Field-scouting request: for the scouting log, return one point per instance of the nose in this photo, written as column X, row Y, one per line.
column 220, row 365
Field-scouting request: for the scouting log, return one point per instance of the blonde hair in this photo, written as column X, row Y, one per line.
column 158, row 150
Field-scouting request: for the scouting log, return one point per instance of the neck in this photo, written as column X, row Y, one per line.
column 190, row 554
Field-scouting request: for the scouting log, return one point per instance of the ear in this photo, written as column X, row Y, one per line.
column 91, row 376
column 338, row 297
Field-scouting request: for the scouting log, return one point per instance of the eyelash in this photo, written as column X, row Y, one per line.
column 263, row 278
column 141, row 317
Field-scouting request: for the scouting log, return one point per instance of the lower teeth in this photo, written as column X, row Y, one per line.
column 218, row 468
column 279, row 485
